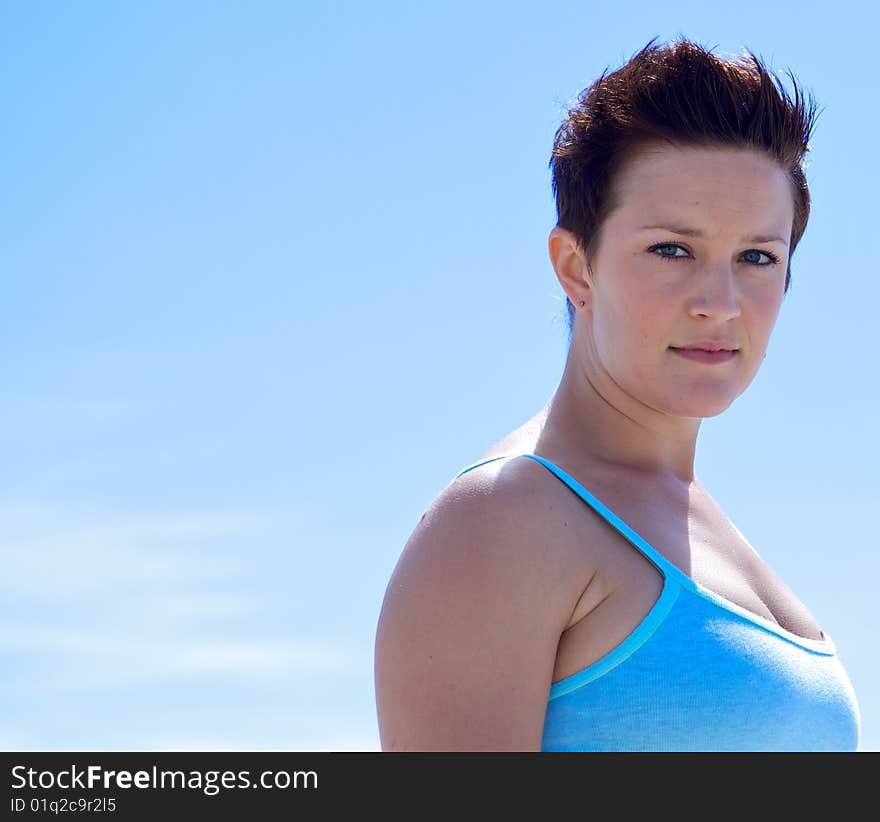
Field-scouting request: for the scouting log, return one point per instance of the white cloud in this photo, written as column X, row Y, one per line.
column 101, row 600
column 52, row 552
column 91, row 661
column 318, row 731
column 352, row 742
column 13, row 741
column 187, row 608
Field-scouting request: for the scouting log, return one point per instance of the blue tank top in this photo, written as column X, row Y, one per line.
column 700, row 673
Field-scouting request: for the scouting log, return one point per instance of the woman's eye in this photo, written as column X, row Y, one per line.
column 771, row 257
column 667, row 245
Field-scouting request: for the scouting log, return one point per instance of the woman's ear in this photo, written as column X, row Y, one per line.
column 570, row 266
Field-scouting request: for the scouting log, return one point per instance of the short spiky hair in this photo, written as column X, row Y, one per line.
column 684, row 95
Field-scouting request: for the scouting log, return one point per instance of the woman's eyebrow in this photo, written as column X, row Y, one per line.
column 695, row 232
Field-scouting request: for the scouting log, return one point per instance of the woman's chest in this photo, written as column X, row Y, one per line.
column 693, row 534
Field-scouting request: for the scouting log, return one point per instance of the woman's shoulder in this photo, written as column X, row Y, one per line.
column 496, row 493
column 509, row 512
column 480, row 596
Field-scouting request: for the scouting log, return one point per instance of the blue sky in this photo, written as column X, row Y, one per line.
column 275, row 272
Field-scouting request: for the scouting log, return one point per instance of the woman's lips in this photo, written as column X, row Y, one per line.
column 709, row 357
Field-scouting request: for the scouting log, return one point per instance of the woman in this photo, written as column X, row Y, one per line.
column 577, row 588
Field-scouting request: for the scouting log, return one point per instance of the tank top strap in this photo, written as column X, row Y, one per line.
column 667, row 568
column 484, row 462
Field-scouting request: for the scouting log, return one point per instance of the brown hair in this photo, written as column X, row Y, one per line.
column 684, row 95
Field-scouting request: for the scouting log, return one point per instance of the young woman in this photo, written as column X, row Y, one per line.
column 577, row 588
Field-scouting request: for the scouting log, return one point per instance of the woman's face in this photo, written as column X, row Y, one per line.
column 697, row 250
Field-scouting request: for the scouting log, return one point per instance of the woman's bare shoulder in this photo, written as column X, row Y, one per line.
column 510, row 510
column 509, row 491
column 472, row 616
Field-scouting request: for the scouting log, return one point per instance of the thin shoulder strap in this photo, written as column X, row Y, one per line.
column 484, row 462
column 667, row 568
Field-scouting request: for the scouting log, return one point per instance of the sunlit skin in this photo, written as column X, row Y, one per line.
column 626, row 399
